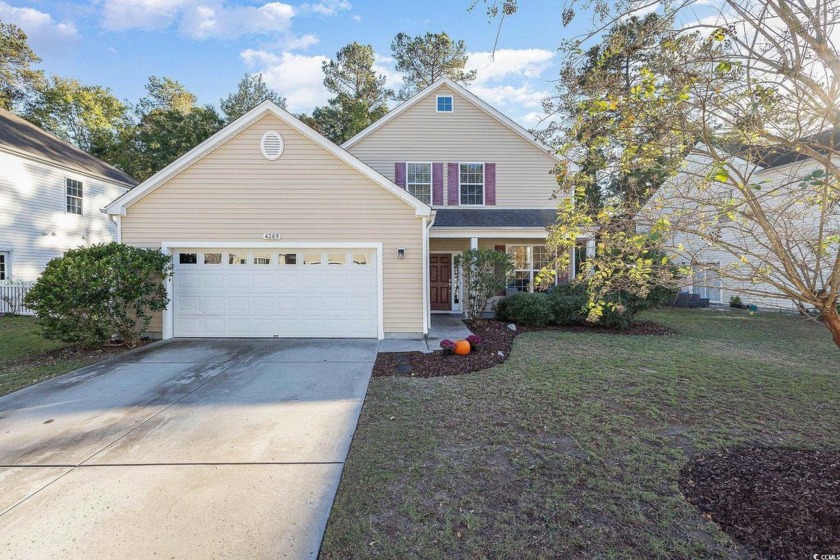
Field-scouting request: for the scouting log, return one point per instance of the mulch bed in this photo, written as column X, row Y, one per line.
column 497, row 340
column 779, row 502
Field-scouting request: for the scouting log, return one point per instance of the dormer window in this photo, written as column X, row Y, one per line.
column 444, row 104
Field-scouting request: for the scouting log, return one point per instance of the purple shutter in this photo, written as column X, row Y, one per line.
column 452, row 183
column 399, row 174
column 490, row 184
column 437, row 184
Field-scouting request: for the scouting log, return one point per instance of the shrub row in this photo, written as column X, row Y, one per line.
column 567, row 305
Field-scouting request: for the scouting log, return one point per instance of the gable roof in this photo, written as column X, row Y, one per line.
column 266, row 107
column 21, row 137
column 469, row 96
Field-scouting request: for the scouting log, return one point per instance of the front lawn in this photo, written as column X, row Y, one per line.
column 26, row 357
column 573, row 447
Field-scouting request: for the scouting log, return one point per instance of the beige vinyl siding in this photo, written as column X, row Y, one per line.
column 35, row 226
column 468, row 134
column 234, row 194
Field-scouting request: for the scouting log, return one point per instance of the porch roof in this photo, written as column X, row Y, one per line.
column 494, row 217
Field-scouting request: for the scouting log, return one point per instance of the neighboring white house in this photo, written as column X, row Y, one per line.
column 717, row 273
column 51, row 194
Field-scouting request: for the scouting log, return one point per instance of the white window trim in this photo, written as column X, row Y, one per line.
column 529, row 251
column 172, row 247
column 437, row 104
column 431, row 179
column 67, row 196
column 483, row 184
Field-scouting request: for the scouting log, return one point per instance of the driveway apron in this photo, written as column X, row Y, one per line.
column 185, row 449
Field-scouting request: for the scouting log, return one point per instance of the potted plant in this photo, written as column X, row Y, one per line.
column 448, row 346
column 475, row 341
column 735, row 302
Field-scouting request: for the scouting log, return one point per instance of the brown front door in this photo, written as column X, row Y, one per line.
column 440, row 281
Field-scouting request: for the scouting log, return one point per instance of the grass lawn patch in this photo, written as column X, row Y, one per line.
column 573, row 447
column 26, row 357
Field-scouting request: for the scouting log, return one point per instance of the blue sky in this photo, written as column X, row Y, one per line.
column 209, row 44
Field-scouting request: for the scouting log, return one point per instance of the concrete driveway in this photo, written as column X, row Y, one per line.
column 185, row 449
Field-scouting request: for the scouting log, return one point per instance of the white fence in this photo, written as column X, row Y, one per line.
column 12, row 293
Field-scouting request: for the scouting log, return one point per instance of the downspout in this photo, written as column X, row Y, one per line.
column 427, row 310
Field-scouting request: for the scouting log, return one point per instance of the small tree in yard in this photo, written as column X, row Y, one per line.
column 93, row 293
column 485, row 273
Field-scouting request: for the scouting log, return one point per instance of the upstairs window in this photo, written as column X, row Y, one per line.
column 418, row 181
column 444, row 104
column 471, row 184
column 74, row 197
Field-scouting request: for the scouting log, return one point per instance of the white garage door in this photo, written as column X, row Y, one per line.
column 275, row 293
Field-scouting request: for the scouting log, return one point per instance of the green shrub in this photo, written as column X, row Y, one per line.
column 484, row 273
column 568, row 304
column 93, row 293
column 532, row 309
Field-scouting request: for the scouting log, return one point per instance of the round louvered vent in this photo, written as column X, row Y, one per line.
column 272, row 145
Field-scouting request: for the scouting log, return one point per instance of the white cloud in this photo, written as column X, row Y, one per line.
column 506, row 63
column 326, row 7
column 297, row 77
column 356, row 18
column 220, row 21
column 524, row 96
column 141, row 14
column 44, row 33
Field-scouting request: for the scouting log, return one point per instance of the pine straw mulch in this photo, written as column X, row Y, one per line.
column 780, row 502
column 497, row 340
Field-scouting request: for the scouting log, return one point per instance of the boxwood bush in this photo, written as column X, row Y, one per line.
column 568, row 304
column 531, row 309
column 92, row 294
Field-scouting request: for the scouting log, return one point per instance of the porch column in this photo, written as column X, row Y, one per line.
column 473, row 242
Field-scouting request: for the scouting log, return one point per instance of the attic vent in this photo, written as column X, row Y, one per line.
column 271, row 145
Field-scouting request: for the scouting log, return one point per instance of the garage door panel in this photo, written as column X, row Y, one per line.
column 268, row 300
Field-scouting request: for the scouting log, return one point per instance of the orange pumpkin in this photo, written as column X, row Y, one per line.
column 462, row 347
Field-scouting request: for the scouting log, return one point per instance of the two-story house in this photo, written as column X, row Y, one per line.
column 277, row 232
column 52, row 195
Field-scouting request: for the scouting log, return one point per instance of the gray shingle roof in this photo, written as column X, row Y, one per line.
column 19, row 135
column 495, row 217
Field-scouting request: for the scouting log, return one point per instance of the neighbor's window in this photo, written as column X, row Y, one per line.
column 528, row 261
column 212, row 258
column 472, row 184
column 419, row 181
column 287, row 258
column 444, row 104
column 237, row 258
column 187, row 258
column 4, row 275
column 74, row 196
column 262, row 258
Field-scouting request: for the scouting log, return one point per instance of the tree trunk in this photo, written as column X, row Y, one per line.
column 832, row 322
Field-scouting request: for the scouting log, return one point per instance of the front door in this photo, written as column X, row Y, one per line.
column 440, row 280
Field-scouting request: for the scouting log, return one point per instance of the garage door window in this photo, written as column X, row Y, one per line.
column 187, row 258
column 360, row 258
column 262, row 258
column 337, row 258
column 238, row 258
column 312, row 258
column 212, row 258
column 287, row 258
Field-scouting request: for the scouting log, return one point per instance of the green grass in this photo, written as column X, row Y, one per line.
column 25, row 355
column 572, row 448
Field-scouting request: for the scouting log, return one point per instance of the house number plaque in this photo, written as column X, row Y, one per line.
column 270, row 236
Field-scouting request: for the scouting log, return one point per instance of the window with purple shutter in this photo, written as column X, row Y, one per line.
column 490, row 184
column 399, row 174
column 452, row 183
column 437, row 184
